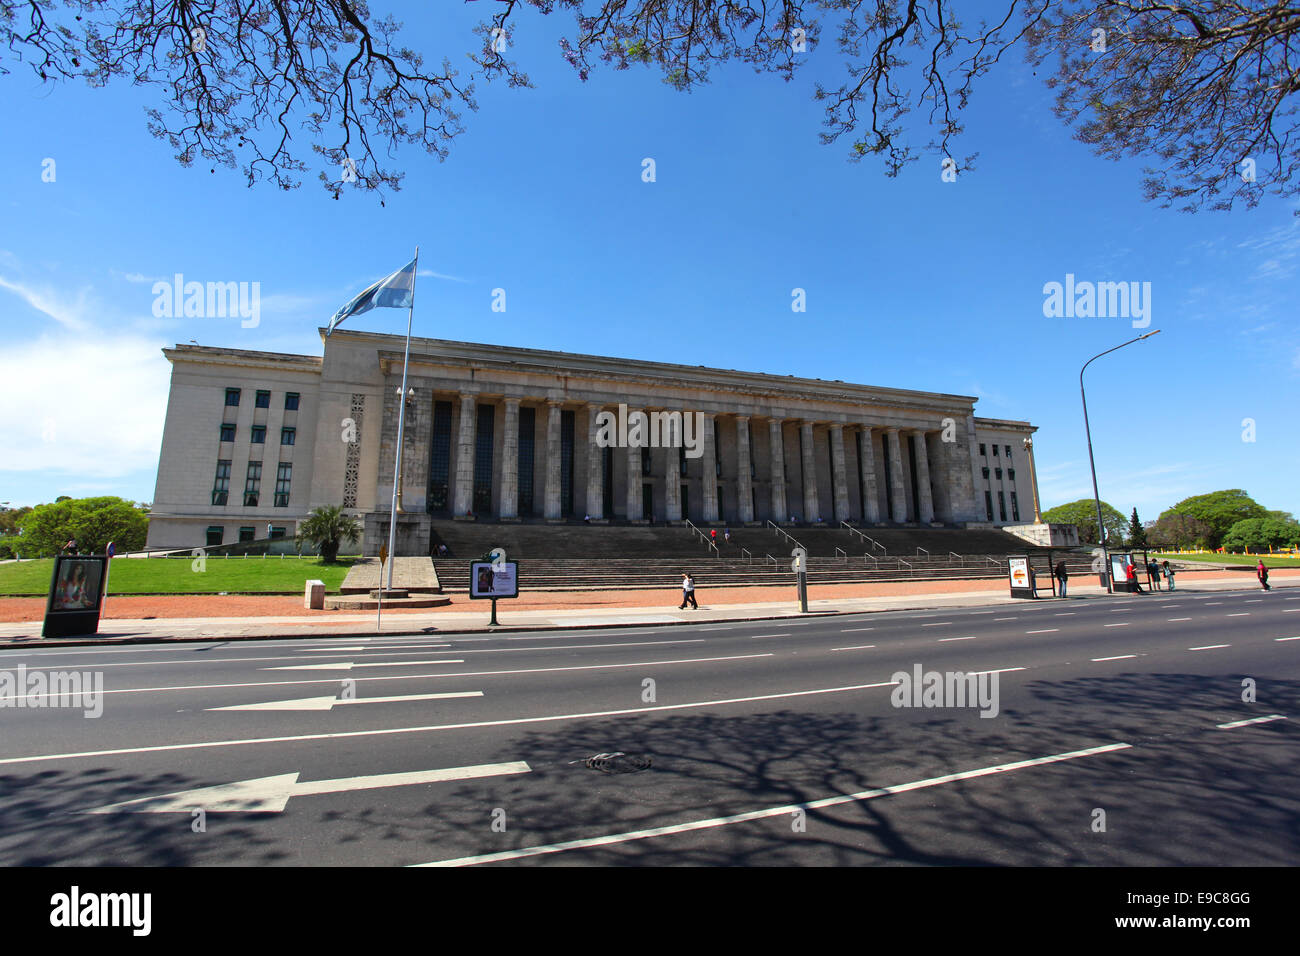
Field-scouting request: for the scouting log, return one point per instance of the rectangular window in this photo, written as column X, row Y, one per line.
column 276, row 533
column 997, row 473
column 440, row 459
column 607, row 481
column 283, row 477
column 232, row 397
column 1015, row 508
column 566, row 462
column 527, row 440
column 263, row 399
column 988, row 504
column 1008, row 448
column 984, row 449
column 288, row 436
column 985, row 471
column 483, row 459
column 259, row 435
column 227, row 432
column 753, row 471
column 1011, row 474
column 995, row 451
column 290, row 401
column 1002, row 505
column 221, row 484
column 252, row 483
column 247, row 534
column 645, row 461
column 215, row 534
column 681, row 460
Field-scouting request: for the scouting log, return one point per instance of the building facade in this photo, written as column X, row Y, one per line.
column 253, row 441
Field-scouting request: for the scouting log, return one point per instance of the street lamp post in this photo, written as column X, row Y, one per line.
column 1096, row 495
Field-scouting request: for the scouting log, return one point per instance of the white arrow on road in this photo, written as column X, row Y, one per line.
column 271, row 794
column 348, row 665
column 327, row 703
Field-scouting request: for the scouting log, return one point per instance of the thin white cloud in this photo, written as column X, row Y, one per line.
column 429, row 273
column 71, row 314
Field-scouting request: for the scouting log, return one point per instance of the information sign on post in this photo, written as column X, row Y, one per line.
column 76, row 595
column 494, row 580
column 1019, row 575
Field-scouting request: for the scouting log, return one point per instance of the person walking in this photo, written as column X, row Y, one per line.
column 1169, row 575
column 1062, row 575
column 1153, row 574
column 726, row 535
column 688, row 592
column 713, row 535
column 1261, row 572
column 1130, row 575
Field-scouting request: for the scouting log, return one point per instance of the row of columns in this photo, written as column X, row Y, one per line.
column 509, row 499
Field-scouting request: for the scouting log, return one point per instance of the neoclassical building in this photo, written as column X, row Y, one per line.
column 254, row 440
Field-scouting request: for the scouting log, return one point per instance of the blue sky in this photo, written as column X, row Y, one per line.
column 910, row 282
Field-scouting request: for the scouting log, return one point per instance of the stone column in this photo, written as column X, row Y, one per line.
column 595, row 458
column 552, row 510
column 896, row 475
column 744, row 483
column 673, row 484
column 841, row 473
column 634, row 483
column 510, row 463
column 779, row 513
column 710, row 445
column 464, row 494
column 870, row 487
column 811, row 509
column 925, row 498
column 1033, row 480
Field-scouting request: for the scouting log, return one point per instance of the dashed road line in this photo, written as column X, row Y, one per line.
column 1209, row 647
column 945, row 639
column 1046, row 630
column 1172, row 619
column 1118, row 657
column 1117, row 624
column 1254, row 720
column 859, row 647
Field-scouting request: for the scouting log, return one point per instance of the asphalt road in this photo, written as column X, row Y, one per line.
column 769, row 743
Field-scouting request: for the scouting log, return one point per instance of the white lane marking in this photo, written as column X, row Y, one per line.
column 328, row 703
column 271, row 794
column 850, row 630
column 191, row 661
column 1168, row 605
column 1290, row 610
column 1254, row 720
column 973, row 613
column 433, row 728
column 1064, row 614
column 1286, row 638
column 1001, row 670
column 347, row 650
column 1209, row 647
column 1254, row 601
column 936, row 624
column 1240, row 614
column 859, row 647
column 1213, row 603
column 348, row 665
column 1291, row 599
column 1004, row 619
column 768, row 812
column 1118, row 657
column 1046, row 630
column 1172, row 619
column 754, row 637
column 1117, row 624
column 945, row 639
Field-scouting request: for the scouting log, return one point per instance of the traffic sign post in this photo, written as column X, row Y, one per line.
column 379, row 614
column 800, row 567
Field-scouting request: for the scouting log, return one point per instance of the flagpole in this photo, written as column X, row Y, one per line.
column 401, row 425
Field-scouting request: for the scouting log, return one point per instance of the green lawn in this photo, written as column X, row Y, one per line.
column 1270, row 560
column 178, row 576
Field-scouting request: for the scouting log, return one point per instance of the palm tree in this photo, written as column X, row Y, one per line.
column 326, row 528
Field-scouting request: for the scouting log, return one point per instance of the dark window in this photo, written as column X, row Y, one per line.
column 983, row 449
column 440, row 458
column 527, row 443
column 566, row 462
column 885, row 469
column 221, row 484
column 985, row 470
column 1002, row 505
column 717, row 458
column 681, row 460
column 215, row 534
column 288, row 436
column 607, row 481
column 483, row 460
column 1015, row 508
column 988, row 504
column 232, row 396
column 276, row 533
column 686, row 501
column 753, row 472
column 290, row 401
column 263, row 399
column 1011, row 473
column 997, row 473
column 259, row 435
column 252, row 483
column 995, row 451
column 647, row 501
column 227, row 432
column 247, row 534
column 1008, row 448
column 645, row 461
column 283, row 477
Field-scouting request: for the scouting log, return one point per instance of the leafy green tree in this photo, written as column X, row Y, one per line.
column 326, row 528
column 92, row 521
column 1261, row 534
column 1083, row 514
column 1178, row 531
column 1137, row 535
column 10, row 519
column 1220, row 510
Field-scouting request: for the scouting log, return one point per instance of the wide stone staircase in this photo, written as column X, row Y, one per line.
column 580, row 557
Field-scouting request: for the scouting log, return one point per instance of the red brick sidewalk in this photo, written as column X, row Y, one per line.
column 126, row 607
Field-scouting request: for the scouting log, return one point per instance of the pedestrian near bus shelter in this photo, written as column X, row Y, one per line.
column 1153, row 573
column 1169, row 575
column 1062, row 575
column 1130, row 575
column 1261, row 572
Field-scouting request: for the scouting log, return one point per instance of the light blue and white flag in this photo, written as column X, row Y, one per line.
column 395, row 292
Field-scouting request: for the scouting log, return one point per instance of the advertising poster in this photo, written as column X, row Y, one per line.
column 487, row 581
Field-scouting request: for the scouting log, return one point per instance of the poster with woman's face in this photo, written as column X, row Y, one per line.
column 77, row 586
